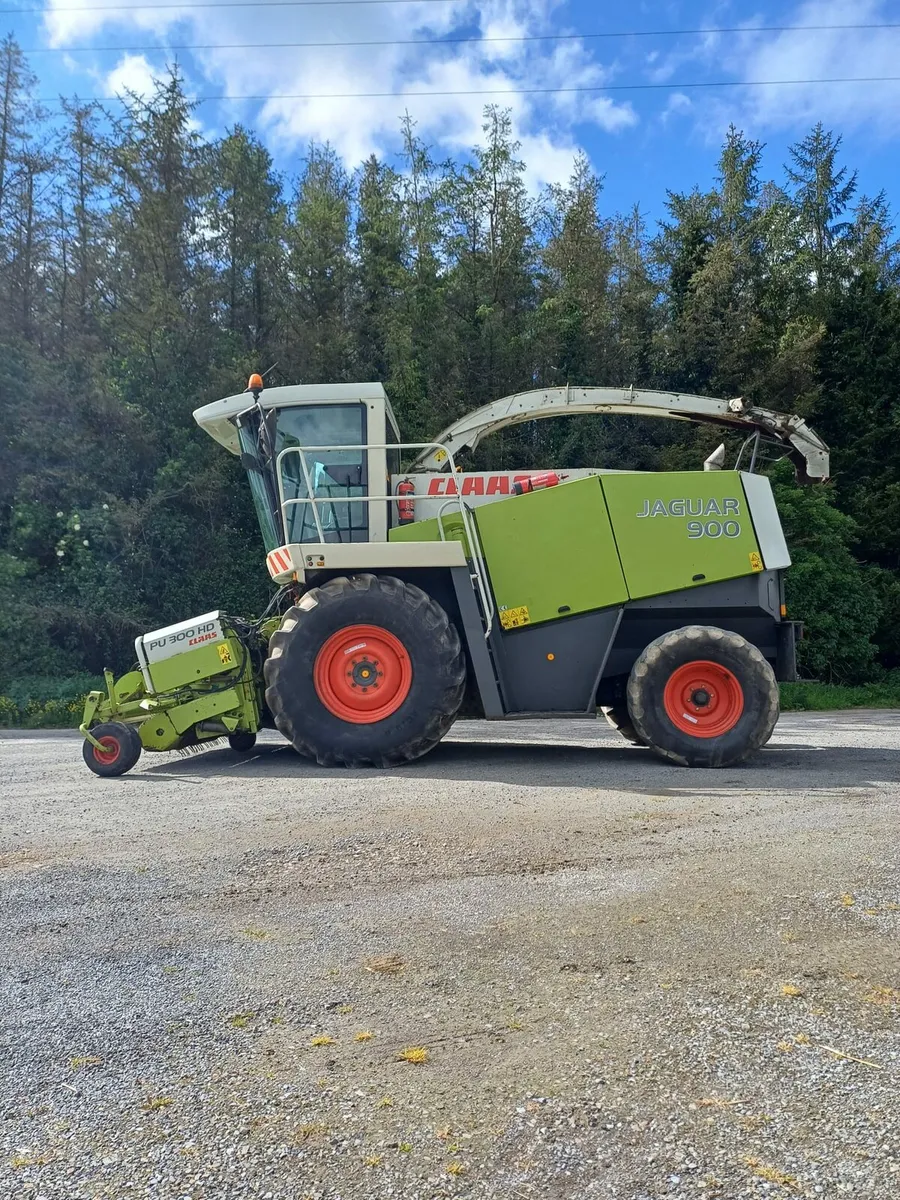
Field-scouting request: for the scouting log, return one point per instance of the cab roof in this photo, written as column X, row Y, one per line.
column 217, row 418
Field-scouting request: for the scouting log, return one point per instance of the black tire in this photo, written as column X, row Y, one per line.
column 429, row 643
column 242, row 742
column 618, row 717
column 756, row 688
column 123, row 739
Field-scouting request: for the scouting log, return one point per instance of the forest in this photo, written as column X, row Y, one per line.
column 146, row 269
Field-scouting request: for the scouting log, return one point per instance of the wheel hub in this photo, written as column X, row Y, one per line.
column 109, row 753
column 362, row 674
column 703, row 699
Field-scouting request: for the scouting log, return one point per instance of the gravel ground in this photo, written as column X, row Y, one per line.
column 630, row 981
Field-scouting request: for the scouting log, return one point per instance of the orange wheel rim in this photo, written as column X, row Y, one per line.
column 703, row 699
column 362, row 674
column 110, row 752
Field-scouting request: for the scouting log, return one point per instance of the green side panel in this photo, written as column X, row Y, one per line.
column 203, row 708
column 429, row 531
column 551, row 553
column 158, row 732
column 194, row 665
column 681, row 529
column 129, row 687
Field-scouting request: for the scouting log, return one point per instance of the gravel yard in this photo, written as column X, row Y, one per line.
column 624, row 979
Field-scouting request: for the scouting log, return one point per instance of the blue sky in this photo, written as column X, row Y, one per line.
column 642, row 141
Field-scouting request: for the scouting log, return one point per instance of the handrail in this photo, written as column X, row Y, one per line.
column 475, row 545
column 484, row 595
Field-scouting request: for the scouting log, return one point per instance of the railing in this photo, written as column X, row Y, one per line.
column 469, row 526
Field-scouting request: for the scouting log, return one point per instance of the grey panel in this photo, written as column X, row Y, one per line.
column 760, row 591
column 565, row 682
column 766, row 522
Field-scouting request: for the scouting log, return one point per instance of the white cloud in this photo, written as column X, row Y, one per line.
column 677, row 105
column 794, row 54
column 356, row 126
column 132, row 74
column 546, row 161
column 826, row 54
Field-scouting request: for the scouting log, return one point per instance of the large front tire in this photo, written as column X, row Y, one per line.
column 703, row 697
column 365, row 671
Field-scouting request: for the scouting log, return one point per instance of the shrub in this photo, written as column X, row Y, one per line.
column 46, row 702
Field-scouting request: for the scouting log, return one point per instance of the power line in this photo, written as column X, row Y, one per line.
column 611, row 87
column 450, row 41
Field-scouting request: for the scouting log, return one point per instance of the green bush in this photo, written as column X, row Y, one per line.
column 46, row 702
column 52, row 687
column 840, row 600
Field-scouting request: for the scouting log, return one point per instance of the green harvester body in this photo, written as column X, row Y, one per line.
column 555, row 584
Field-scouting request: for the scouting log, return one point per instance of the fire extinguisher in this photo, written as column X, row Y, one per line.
column 534, row 483
column 406, row 506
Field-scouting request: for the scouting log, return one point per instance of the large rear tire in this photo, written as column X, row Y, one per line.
column 365, row 671
column 703, row 697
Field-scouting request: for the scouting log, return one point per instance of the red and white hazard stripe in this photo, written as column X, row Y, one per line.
column 279, row 562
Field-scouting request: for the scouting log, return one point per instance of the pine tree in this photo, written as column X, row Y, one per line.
column 317, row 303
column 822, row 194
column 246, row 220
column 573, row 322
column 382, row 272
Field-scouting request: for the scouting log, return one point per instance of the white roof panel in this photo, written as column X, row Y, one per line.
column 215, row 418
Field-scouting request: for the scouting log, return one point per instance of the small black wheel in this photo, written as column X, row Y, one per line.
column 242, row 742
column 121, row 749
column 365, row 671
column 617, row 716
column 703, row 697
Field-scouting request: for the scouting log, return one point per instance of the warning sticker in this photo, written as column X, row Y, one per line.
column 225, row 655
column 513, row 618
column 756, row 562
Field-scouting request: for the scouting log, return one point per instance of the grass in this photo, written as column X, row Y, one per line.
column 823, row 697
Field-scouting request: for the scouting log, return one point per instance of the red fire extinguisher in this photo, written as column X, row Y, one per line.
column 534, row 483
column 406, row 506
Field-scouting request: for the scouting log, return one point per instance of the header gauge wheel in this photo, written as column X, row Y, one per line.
column 703, row 697
column 365, row 671
column 120, row 749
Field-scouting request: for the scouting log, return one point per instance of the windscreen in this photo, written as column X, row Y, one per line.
column 333, row 477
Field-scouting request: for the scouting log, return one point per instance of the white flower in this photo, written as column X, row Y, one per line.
column 59, row 514
column 85, row 542
column 106, row 508
column 60, row 554
column 76, row 527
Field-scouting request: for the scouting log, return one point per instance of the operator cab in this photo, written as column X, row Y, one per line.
column 319, row 441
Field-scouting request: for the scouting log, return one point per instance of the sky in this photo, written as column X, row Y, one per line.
column 654, row 127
